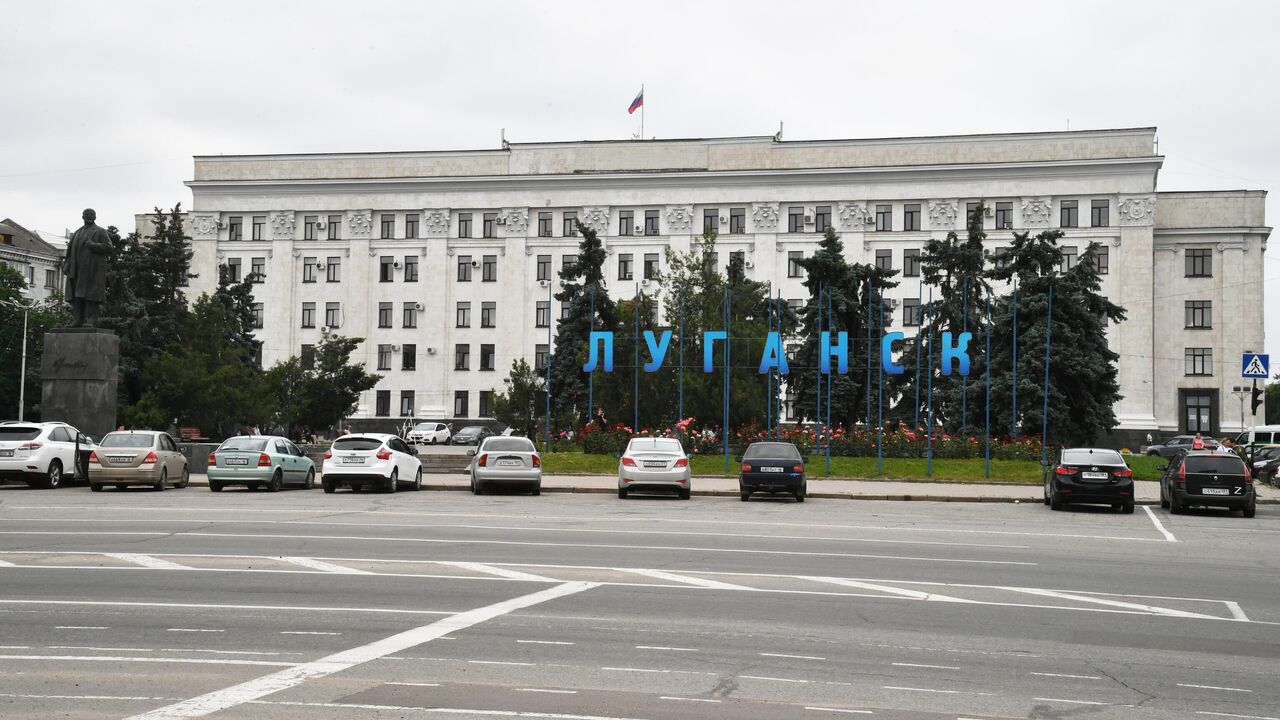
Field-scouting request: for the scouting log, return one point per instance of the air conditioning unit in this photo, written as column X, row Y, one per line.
column 395, row 348
column 431, row 351
column 543, row 283
column 1008, row 225
column 869, row 220
column 644, row 281
column 722, row 220
column 475, row 263
column 808, row 219
column 639, row 230
column 325, row 330
column 502, row 220
column 321, row 224
column 988, row 211
column 222, row 224
column 748, row 264
column 396, row 264
column 417, row 306
column 320, row 266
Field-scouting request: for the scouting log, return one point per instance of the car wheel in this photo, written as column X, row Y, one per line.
column 120, row 487
column 215, row 486
column 475, row 487
column 53, row 478
column 328, row 486
column 746, row 495
column 433, row 441
column 186, row 479
column 537, row 489
column 800, row 494
column 1127, row 508
column 357, row 487
column 1164, row 499
column 1250, row 510
column 311, row 479
column 164, row 480
column 392, row 482
column 1055, row 502
column 96, row 487
column 1175, row 506
column 622, row 493
column 685, row 493
column 417, row 481
column 1046, row 491
column 276, row 481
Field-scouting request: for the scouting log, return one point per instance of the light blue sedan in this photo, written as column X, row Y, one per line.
column 260, row 461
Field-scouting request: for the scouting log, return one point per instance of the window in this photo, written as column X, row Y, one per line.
column 410, row 315
column 462, row 357
column 1102, row 259
column 386, row 269
column 570, row 223
column 50, row 278
column 1004, row 215
column 489, row 269
column 738, row 257
column 1199, row 361
column 259, row 223
column 1069, row 257
column 1199, row 313
column 309, row 267
column 795, row 219
column 737, row 221
column 544, row 224
column 711, row 219
column 1069, row 213
column 411, row 268
column 884, row 218
column 488, row 314
column 235, row 228
column 970, row 212
column 307, row 356
column 796, row 305
column 334, row 226
column 257, row 316
column 308, row 314
column 486, row 357
column 626, row 262
column 1100, row 213
column 233, row 270
column 884, row 259
column 384, row 314
column 540, row 358
column 464, row 268
column 651, row 266
column 384, row 357
column 568, row 263
column 388, row 227
column 486, row 403
column 794, row 270
column 1199, row 262
column 333, row 314
column 464, row 225
column 409, row 358
column 911, row 312
column 821, row 218
column 257, row 269
column 1197, row 408
column 490, row 225
column 460, row 403
column 464, row 315
column 542, row 314
column 911, row 217
column 309, row 226
column 406, row 403
column 383, row 403
column 333, row 269
column 650, row 222
column 544, row 267
column 626, row 222
column 411, row 226
column 564, row 310
column 911, row 263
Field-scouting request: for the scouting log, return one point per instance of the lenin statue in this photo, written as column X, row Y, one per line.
column 86, row 270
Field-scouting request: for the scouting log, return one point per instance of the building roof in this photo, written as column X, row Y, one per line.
column 23, row 239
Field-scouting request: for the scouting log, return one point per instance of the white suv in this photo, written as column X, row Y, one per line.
column 373, row 460
column 429, row 433
column 40, row 454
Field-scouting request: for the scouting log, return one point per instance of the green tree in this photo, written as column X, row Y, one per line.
column 1272, row 400
column 522, row 406
column 584, row 291
column 237, row 298
column 322, row 395
column 42, row 318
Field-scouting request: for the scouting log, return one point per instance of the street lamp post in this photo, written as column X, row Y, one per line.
column 22, row 372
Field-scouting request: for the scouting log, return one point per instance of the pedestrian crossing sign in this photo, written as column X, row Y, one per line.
column 1255, row 365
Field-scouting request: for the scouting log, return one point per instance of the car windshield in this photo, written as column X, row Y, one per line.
column 1267, row 453
column 356, row 443
column 1225, row 464
column 128, row 440
column 423, row 427
column 473, row 430
column 508, row 444
column 248, row 444
column 665, row 445
column 18, row 432
column 772, row 450
column 1091, row 457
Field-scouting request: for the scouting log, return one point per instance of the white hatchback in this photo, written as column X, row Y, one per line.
column 373, row 460
column 40, row 454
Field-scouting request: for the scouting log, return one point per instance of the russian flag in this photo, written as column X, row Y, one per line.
column 637, row 103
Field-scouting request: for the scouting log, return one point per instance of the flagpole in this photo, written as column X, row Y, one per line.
column 642, row 111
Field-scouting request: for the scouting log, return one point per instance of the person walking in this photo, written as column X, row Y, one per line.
column 1197, row 443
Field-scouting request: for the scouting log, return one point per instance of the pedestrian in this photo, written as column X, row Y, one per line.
column 600, row 418
column 1198, row 442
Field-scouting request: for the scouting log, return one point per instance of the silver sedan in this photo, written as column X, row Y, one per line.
column 657, row 463
column 506, row 461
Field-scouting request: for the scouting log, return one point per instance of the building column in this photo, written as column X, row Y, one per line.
column 1135, row 338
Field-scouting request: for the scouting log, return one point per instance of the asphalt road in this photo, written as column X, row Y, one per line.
column 572, row 606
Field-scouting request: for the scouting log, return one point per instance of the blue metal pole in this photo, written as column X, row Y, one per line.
column 987, row 360
column 728, row 315
column 680, row 408
column 817, row 419
column 880, row 401
column 919, row 337
column 1013, row 421
column 546, row 443
column 768, row 398
column 591, row 378
column 964, row 381
column 867, row 374
column 929, row 430
column 635, row 363
column 1044, row 420
column 830, row 316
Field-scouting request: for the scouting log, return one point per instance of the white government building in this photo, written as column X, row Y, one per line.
column 440, row 259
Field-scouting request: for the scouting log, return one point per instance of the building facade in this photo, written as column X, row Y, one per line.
column 445, row 261
column 39, row 262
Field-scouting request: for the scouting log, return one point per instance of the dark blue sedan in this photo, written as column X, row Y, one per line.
column 772, row 467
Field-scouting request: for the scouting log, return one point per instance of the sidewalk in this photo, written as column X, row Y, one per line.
column 1148, row 492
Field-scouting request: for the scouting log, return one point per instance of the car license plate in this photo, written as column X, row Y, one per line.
column 352, row 461
column 509, row 463
column 237, row 461
column 654, row 464
column 6, row 453
column 1094, row 475
column 120, row 458
column 1215, row 491
column 771, row 469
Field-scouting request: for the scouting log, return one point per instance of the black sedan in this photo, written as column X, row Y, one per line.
column 1266, row 463
column 471, row 435
column 772, row 467
column 1089, row 475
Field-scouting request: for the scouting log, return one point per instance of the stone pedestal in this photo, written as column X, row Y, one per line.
column 78, row 377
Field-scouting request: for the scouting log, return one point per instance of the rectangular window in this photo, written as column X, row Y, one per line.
column 1197, row 408
column 911, row 217
column 383, row 404
column 544, row 224
column 911, row 263
column 309, row 267
column 308, row 314
column 1102, row 259
column 544, row 267
column 462, row 357
column 406, row 403
column 386, row 269
column 410, row 315
column 1069, row 257
column 488, row 314
column 737, row 221
column 651, row 266
column 884, row 259
column 626, row 222
column 970, row 212
column 1199, row 313
column 795, row 219
column 464, row 315
column 540, row 358
column 411, row 226
column 1199, row 361
column 333, row 314
column 650, row 222
column 411, row 268
column 1004, row 215
column 334, row 227
column 542, row 314
column 821, row 218
column 257, row 316
column 464, row 268
column 489, row 269
column 388, row 227
column 333, row 269
column 568, row 264
column 570, row 223
column 738, row 257
column 384, row 314
column 464, row 225
column 564, row 310
column 384, row 357
column 794, row 270
column 486, row 357
column 1069, row 213
column 486, row 403
column 711, row 220
column 257, row 269
column 409, row 358
column 491, row 225
column 884, row 218
column 911, row 312
column 1199, row 262
column 626, row 270
column 259, row 225
column 50, row 278
column 309, row 226
column 307, row 356
column 233, row 270
column 460, row 403
column 1100, row 213
column 235, row 228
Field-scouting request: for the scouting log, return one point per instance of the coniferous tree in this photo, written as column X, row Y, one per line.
column 588, row 310
column 237, row 298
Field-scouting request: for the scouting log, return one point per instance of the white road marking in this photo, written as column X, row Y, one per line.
column 902, row 592
column 440, row 711
column 15, row 647
column 1236, row 611
column 775, row 679
column 1061, row 675
column 82, row 697
column 793, row 657
column 1168, row 536
column 499, row 572
column 639, row 670
column 211, row 606
column 928, row 690
column 109, row 658
column 1113, row 603
column 409, row 684
column 225, row 652
column 1213, row 687
column 839, row 710
column 687, row 699
column 307, row 632
column 80, row 627
column 219, row 700
column 147, row 561
column 695, row 581
column 548, row 690
column 323, row 566
column 195, row 630
column 1232, row 715
column 1077, row 702
column 95, row 649
column 661, row 647
column 501, row 662
column 5, row 563
column 930, row 667
column 544, row 642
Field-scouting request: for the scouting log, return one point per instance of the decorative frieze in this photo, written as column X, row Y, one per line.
column 596, row 218
column 435, row 223
column 1037, row 212
column 1137, row 210
column 360, row 223
column 852, row 216
column 516, row 220
column 282, row 225
column 942, row 214
column 679, row 219
column 764, row 217
column 203, row 227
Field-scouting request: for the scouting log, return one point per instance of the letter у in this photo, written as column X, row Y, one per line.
column 657, row 351
column 840, row 351
column 605, row 339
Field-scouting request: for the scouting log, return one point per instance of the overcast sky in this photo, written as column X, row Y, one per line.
column 104, row 103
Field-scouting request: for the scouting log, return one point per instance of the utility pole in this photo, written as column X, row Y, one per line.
column 1240, row 392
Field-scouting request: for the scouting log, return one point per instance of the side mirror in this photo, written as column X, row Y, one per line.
column 737, row 458
column 471, row 453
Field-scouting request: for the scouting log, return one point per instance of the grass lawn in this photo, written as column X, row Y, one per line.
column 913, row 469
